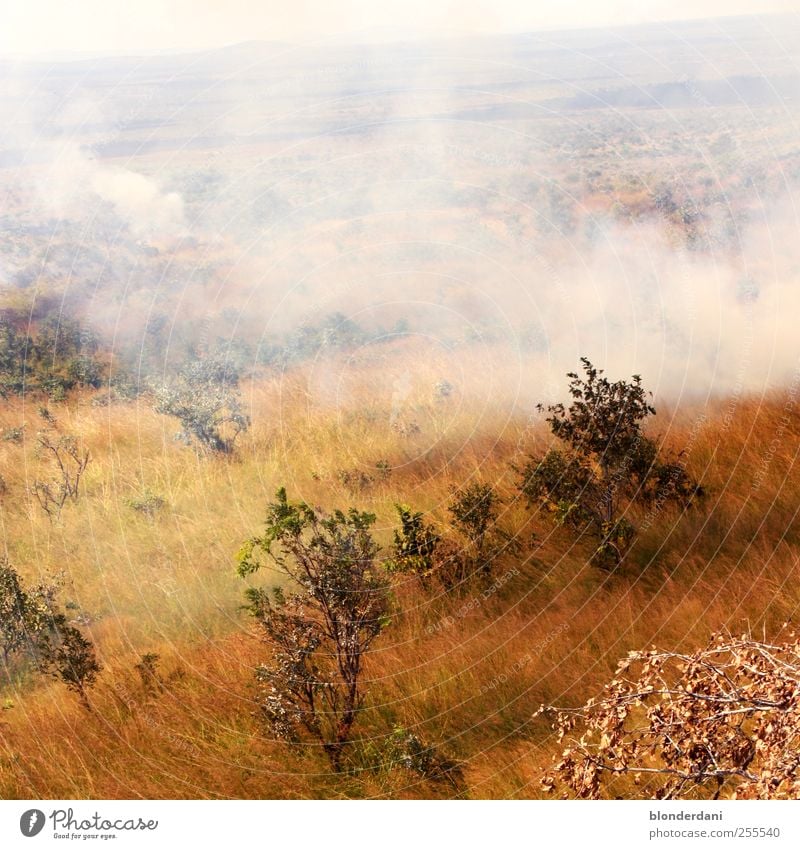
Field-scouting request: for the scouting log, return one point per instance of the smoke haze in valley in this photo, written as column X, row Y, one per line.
column 626, row 195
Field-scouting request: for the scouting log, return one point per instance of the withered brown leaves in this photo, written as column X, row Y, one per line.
column 722, row 722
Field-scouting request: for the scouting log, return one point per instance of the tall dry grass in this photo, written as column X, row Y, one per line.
column 464, row 672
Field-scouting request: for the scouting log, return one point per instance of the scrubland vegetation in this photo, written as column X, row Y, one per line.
column 455, row 671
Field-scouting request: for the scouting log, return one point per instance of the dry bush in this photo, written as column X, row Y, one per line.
column 205, row 398
column 721, row 721
column 70, row 461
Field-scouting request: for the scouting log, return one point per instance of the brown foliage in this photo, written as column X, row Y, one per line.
column 723, row 721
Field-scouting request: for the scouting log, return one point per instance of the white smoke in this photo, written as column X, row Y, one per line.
column 58, row 177
column 72, row 185
column 140, row 201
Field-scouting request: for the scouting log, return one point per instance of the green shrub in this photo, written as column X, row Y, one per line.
column 32, row 625
column 606, row 463
column 321, row 626
column 473, row 511
column 415, row 546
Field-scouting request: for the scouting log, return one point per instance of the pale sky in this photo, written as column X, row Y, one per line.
column 112, row 26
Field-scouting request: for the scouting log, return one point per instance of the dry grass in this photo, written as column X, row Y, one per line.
column 465, row 673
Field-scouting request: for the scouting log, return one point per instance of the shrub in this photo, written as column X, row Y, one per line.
column 421, row 551
column 322, row 625
column 408, row 751
column 354, row 479
column 474, row 513
column 148, row 503
column 719, row 721
column 357, row 479
column 69, row 462
column 406, row 428
column 14, row 434
column 606, row 463
column 147, row 667
column 122, row 387
column 31, row 623
column 65, row 654
column 205, row 399
column 443, row 389
column 415, row 546
column 383, row 470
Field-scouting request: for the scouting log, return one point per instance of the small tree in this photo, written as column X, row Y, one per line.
column 65, row 654
column 474, row 513
column 205, row 399
column 722, row 721
column 24, row 613
column 321, row 627
column 30, row 623
column 606, row 463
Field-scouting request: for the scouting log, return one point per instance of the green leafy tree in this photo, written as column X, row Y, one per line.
column 606, row 463
column 321, row 625
column 56, row 356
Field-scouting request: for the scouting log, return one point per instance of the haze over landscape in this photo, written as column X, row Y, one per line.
column 506, row 184
column 353, row 267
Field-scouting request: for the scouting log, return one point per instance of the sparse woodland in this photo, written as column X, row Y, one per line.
column 375, row 647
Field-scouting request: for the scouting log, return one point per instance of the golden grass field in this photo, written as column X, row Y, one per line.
column 465, row 673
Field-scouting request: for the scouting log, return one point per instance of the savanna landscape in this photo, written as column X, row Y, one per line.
column 403, row 420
